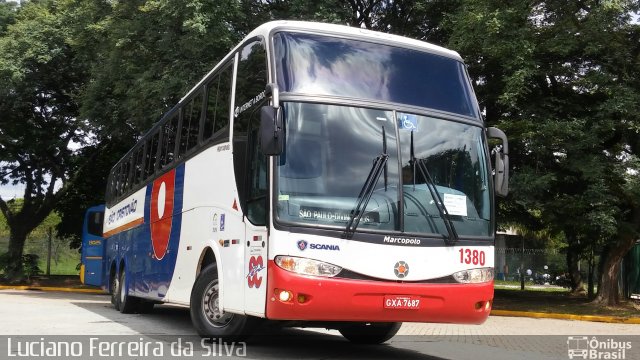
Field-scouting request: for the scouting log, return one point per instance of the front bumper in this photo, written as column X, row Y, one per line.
column 336, row 299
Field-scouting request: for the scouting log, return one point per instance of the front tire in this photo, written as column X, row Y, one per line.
column 369, row 333
column 206, row 316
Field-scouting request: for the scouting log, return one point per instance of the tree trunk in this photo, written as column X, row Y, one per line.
column 609, row 292
column 14, row 270
column 577, row 283
column 590, row 282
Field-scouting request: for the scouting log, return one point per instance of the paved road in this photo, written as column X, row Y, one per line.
column 49, row 314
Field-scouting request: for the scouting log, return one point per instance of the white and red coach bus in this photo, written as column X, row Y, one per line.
column 320, row 175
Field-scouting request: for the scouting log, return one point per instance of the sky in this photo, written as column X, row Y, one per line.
column 8, row 192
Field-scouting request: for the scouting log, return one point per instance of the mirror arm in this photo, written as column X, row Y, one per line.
column 496, row 133
column 272, row 91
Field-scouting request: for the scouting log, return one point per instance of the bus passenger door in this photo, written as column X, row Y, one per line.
column 92, row 247
column 256, row 232
column 256, row 271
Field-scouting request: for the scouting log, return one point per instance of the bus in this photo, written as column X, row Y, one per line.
column 318, row 175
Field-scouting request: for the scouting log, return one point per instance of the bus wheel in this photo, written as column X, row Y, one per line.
column 369, row 333
column 206, row 316
column 127, row 304
column 115, row 291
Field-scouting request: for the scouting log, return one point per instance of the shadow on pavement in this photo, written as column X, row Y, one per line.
column 167, row 323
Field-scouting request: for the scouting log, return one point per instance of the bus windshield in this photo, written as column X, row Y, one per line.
column 322, row 65
column 329, row 151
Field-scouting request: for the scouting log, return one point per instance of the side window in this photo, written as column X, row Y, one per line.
column 216, row 123
column 126, row 175
column 94, row 222
column 257, row 177
column 138, row 162
column 250, row 84
column 251, row 81
column 190, row 123
column 119, row 181
column 151, row 154
column 169, row 134
column 111, row 187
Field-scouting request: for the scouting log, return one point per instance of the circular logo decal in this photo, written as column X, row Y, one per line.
column 302, row 245
column 161, row 213
column 401, row 269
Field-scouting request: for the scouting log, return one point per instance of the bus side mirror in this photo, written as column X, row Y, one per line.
column 501, row 175
column 271, row 133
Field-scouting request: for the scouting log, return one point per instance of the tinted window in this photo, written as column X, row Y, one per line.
column 151, row 154
column 190, row 123
column 251, row 81
column 169, row 134
column 94, row 222
column 216, row 125
column 139, row 165
column 125, row 175
column 257, row 177
column 315, row 64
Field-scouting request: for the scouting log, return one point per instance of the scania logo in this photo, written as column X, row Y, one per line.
column 401, row 269
column 302, row 245
column 324, row 247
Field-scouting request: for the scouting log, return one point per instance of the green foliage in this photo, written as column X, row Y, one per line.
column 556, row 76
column 30, row 265
column 561, row 79
column 7, row 15
column 147, row 55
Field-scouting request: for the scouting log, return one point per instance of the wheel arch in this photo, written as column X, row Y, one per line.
column 211, row 255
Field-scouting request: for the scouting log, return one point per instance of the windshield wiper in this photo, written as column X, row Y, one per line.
column 365, row 195
column 379, row 166
column 442, row 209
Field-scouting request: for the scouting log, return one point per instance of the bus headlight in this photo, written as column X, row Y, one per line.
column 307, row 266
column 473, row 276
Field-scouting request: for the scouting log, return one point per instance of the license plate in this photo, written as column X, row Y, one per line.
column 401, row 302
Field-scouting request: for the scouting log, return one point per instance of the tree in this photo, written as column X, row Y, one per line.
column 553, row 75
column 7, row 15
column 40, row 79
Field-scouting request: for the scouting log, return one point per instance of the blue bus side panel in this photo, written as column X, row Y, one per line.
column 148, row 277
column 93, row 252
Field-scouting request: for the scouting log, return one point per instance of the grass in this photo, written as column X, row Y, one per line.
column 561, row 302
column 63, row 261
column 515, row 285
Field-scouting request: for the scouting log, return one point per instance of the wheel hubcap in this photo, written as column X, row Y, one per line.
column 211, row 307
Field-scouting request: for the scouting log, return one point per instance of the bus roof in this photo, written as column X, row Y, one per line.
column 267, row 28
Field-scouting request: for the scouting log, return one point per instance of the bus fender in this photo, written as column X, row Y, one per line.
column 218, row 260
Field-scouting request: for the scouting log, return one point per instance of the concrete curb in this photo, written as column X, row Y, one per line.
column 539, row 315
column 52, row 288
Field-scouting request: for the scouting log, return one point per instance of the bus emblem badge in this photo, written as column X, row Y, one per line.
column 161, row 213
column 401, row 269
column 302, row 245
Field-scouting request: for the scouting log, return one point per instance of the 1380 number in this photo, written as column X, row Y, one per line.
column 475, row 257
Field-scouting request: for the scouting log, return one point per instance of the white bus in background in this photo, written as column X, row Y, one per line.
column 319, row 175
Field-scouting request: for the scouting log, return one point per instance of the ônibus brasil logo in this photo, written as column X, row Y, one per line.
column 584, row 348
